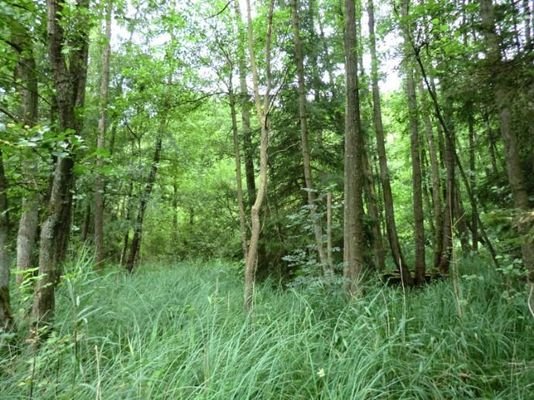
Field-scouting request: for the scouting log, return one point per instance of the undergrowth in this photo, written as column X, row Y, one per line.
column 179, row 332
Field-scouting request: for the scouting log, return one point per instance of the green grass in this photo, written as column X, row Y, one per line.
column 180, row 333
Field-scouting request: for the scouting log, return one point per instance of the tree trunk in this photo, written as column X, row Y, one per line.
column 135, row 246
column 353, row 180
column 100, row 145
column 448, row 214
column 372, row 211
column 304, row 141
column 417, row 194
column 263, row 116
column 67, row 83
column 437, row 206
column 245, row 110
column 391, row 227
column 472, row 175
column 238, row 177
column 29, row 219
column 6, row 317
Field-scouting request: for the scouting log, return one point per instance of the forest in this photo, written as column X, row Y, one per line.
column 267, row 199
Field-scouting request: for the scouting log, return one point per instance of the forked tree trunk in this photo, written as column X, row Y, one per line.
column 304, row 138
column 100, row 145
column 263, row 116
column 353, row 246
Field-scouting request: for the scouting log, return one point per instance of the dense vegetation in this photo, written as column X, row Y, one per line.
column 119, row 338
column 319, row 149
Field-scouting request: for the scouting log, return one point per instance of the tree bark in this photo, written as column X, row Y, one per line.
column 304, row 138
column 263, row 115
column 29, row 219
column 100, row 145
column 353, row 180
column 391, row 227
column 68, row 76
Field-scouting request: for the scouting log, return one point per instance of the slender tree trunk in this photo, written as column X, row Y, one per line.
column 263, row 115
column 304, row 135
column 329, row 229
column 6, row 317
column 448, row 214
column 353, row 205
column 86, row 227
column 472, row 175
column 175, row 235
column 238, row 177
column 128, row 217
column 437, row 206
column 417, row 194
column 391, row 227
column 135, row 246
column 245, row 110
column 29, row 219
column 516, row 175
column 100, row 144
column 373, row 217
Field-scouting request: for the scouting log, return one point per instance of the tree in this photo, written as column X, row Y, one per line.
column 391, row 227
column 516, row 174
column 262, row 110
column 417, row 194
column 69, row 84
column 100, row 146
column 353, row 175
column 303, row 119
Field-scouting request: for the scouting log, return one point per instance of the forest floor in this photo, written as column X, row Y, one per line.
column 180, row 333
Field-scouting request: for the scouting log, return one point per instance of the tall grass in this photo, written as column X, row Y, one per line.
column 178, row 332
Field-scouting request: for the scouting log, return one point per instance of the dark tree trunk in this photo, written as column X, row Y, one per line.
column 135, row 246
